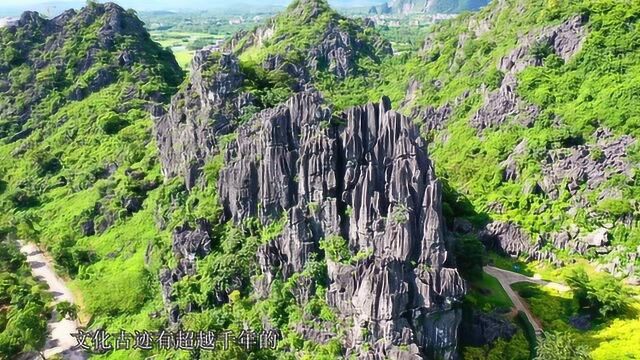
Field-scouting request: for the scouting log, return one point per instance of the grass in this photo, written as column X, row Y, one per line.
column 487, row 294
column 510, row 264
column 615, row 338
column 184, row 58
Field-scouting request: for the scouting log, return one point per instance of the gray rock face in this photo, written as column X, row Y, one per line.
column 565, row 40
column 503, row 104
column 188, row 244
column 510, row 168
column 278, row 62
column 486, row 328
column 590, row 165
column 435, row 118
column 364, row 175
column 339, row 51
column 510, row 239
column 186, row 135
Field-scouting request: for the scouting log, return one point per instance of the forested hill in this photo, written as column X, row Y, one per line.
column 531, row 108
column 77, row 156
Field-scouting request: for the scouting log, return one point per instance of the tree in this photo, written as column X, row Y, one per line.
column 469, row 257
column 602, row 294
column 336, row 248
column 560, row 346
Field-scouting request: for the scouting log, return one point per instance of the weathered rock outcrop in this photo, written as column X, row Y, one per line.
column 575, row 242
column 206, row 108
column 590, row 165
column 564, row 40
column 337, row 47
column 503, row 104
column 363, row 175
column 188, row 244
column 339, row 51
column 510, row 239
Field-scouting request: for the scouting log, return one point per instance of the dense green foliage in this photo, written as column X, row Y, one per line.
column 515, row 349
column 560, row 346
column 23, row 311
column 77, row 176
column 597, row 88
column 80, row 174
column 612, row 337
column 600, row 295
column 469, row 253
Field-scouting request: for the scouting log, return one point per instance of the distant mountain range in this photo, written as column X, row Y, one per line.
column 428, row 6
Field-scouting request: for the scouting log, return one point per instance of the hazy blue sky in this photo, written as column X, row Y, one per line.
column 57, row 5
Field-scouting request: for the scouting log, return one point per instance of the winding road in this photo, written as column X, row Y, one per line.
column 507, row 278
column 59, row 339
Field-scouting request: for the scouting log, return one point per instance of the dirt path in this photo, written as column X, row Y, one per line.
column 507, row 278
column 59, row 339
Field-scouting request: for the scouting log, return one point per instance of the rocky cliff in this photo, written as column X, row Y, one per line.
column 362, row 175
column 546, row 162
column 203, row 110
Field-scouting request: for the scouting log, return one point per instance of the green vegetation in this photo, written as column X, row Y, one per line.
column 80, row 174
column 515, row 349
column 469, row 253
column 336, row 248
column 487, row 294
column 301, row 28
column 66, row 310
column 560, row 346
column 23, row 304
column 600, row 295
column 607, row 338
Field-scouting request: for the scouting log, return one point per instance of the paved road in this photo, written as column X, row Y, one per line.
column 507, row 278
column 59, row 339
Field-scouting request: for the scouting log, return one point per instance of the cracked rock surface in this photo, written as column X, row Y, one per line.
column 364, row 175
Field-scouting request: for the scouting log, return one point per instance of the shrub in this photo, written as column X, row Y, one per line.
column 22, row 198
column 603, row 294
column 111, row 123
column 335, row 248
column 560, row 346
column 615, row 208
column 469, row 253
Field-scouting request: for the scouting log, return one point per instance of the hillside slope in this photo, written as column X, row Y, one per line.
column 78, row 160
